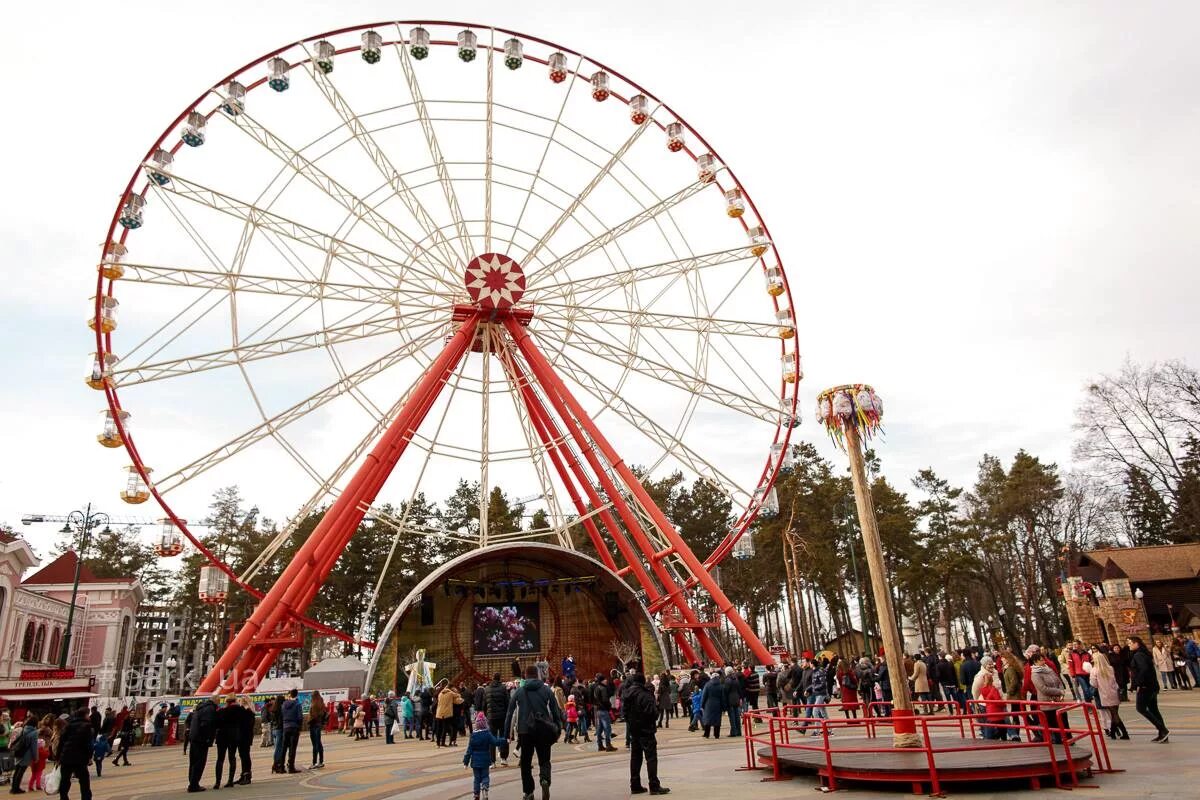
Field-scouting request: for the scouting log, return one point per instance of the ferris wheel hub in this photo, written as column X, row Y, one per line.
column 494, row 281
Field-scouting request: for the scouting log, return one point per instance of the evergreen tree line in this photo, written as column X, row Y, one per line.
column 955, row 556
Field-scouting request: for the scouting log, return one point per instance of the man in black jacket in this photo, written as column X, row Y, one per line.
column 641, row 716
column 202, row 729
column 245, row 721
column 494, row 707
column 228, row 729
column 539, row 720
column 74, row 753
column 602, row 704
column 1143, row 679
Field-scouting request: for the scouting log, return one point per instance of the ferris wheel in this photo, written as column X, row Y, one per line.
column 389, row 257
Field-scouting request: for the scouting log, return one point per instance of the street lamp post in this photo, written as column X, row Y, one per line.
column 849, row 413
column 82, row 522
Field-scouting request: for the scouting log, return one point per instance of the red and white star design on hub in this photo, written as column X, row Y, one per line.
column 494, row 281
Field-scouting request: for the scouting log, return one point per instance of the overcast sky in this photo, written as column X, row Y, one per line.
column 980, row 205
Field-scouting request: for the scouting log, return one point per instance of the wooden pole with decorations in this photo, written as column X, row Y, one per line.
column 850, row 413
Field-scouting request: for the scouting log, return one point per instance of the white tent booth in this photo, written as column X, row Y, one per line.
column 337, row 673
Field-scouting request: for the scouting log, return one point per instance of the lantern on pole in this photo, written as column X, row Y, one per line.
column 850, row 414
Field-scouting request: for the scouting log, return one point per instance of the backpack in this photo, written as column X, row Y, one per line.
column 543, row 725
column 21, row 745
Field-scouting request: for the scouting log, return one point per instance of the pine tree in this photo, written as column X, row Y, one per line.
column 1146, row 513
column 1184, row 525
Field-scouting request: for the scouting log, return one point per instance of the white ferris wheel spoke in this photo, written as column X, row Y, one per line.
column 651, row 429
column 299, row 410
column 531, row 256
column 357, row 207
column 487, row 169
column 435, row 150
column 537, row 452
column 628, row 359
column 389, row 268
column 386, row 322
column 611, row 281
column 383, row 164
column 656, row 320
column 611, row 235
column 401, row 526
column 328, row 487
column 484, row 455
column 195, row 278
column 542, row 161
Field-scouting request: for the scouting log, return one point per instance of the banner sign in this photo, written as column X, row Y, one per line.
column 259, row 699
column 47, row 674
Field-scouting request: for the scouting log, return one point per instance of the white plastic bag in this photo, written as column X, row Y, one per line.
column 116, row 744
column 52, row 781
column 397, row 730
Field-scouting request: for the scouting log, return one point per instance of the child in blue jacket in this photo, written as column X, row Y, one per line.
column 696, row 708
column 100, row 749
column 479, row 755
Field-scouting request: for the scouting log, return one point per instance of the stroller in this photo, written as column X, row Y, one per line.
column 7, row 763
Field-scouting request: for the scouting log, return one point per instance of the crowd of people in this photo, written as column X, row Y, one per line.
column 532, row 710
column 994, row 684
column 62, row 748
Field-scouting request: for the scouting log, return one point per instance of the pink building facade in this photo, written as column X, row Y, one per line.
column 33, row 623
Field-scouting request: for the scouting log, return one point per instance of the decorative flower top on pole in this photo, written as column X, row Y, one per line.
column 854, row 405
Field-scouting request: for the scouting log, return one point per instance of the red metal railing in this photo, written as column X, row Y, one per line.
column 1039, row 726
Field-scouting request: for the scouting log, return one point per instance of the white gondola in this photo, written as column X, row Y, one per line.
column 418, row 43
column 782, row 457
column 214, row 585
column 787, row 324
column 514, row 54
column 131, row 212
column 600, row 90
column 467, row 45
column 235, row 99
column 372, row 47
column 161, row 166
column 277, row 74
column 706, row 168
column 324, row 57
column 110, row 434
column 758, row 240
column 100, row 371
column 135, row 491
column 170, row 540
column 639, row 109
column 774, row 281
column 193, row 129
column 735, row 206
column 108, row 314
column 743, row 548
column 675, row 140
column 110, row 265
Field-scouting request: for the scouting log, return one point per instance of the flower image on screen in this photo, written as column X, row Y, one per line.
column 505, row 629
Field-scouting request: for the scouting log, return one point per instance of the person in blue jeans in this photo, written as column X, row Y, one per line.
column 479, row 755
column 602, row 704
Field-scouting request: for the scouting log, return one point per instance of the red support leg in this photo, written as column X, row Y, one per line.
column 342, row 528
column 555, row 387
column 632, row 524
column 548, row 432
column 550, row 441
column 308, row 567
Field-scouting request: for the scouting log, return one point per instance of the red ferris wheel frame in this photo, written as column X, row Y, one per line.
column 255, row 662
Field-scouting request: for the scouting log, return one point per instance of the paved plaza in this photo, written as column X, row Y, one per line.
column 691, row 766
